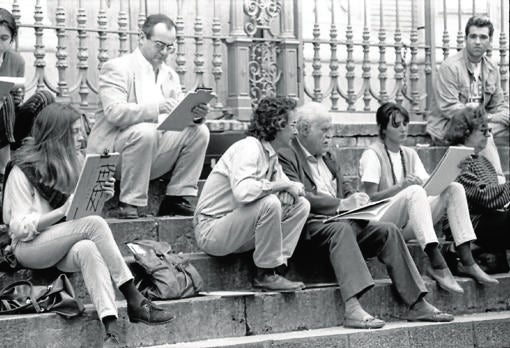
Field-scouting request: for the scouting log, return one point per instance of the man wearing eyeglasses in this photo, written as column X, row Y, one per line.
column 134, row 91
column 470, row 78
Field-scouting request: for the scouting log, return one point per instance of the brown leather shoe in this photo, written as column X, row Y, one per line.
column 149, row 314
column 275, row 282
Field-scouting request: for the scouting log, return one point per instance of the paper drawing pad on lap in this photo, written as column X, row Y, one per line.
column 89, row 195
column 447, row 169
column 371, row 211
column 181, row 116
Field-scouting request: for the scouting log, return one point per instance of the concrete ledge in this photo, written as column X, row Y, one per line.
column 213, row 317
column 488, row 330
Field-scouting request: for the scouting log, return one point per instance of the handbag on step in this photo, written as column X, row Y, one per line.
column 22, row 297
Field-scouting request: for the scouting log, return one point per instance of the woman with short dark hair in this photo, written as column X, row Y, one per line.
column 488, row 199
column 390, row 169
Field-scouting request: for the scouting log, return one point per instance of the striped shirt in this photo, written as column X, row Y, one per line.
column 480, row 181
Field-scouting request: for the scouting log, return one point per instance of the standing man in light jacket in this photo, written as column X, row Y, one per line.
column 135, row 90
column 469, row 78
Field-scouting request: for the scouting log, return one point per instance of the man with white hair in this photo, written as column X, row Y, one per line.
column 310, row 161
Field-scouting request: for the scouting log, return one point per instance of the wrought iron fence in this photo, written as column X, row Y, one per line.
column 350, row 55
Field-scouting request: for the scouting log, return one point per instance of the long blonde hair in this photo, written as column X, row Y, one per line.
column 51, row 148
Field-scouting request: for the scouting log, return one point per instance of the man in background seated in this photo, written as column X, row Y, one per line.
column 469, row 78
column 248, row 202
column 309, row 161
column 134, row 91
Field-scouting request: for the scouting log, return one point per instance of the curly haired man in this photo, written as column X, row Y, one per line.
column 248, row 203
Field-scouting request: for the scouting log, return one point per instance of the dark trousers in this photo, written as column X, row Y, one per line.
column 16, row 121
column 492, row 230
column 350, row 243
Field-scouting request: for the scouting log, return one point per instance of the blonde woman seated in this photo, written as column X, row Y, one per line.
column 39, row 180
column 388, row 169
column 488, row 199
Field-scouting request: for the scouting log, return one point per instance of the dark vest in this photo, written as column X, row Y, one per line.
column 54, row 197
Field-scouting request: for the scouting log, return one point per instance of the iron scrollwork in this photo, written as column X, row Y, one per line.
column 264, row 72
column 261, row 13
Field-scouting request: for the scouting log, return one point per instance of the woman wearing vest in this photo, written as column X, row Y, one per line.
column 39, row 180
column 388, row 169
column 488, row 199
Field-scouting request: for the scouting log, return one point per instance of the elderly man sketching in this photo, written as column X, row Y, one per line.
column 134, row 91
column 309, row 161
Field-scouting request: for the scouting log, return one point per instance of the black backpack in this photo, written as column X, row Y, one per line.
column 162, row 274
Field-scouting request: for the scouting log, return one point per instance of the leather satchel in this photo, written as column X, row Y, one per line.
column 22, row 297
column 8, row 262
column 162, row 274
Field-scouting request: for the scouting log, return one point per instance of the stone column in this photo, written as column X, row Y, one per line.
column 289, row 52
column 238, row 96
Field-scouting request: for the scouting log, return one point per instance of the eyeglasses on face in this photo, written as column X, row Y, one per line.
column 160, row 45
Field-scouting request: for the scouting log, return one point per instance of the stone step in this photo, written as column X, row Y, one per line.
column 233, row 272
column 176, row 230
column 212, row 317
column 487, row 330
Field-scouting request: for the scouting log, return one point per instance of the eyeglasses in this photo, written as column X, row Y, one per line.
column 160, row 45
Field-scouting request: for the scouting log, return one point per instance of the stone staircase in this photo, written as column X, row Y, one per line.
column 475, row 330
column 307, row 318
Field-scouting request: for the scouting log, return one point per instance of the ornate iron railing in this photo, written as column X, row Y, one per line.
column 246, row 49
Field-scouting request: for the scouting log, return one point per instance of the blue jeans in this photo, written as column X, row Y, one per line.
column 85, row 245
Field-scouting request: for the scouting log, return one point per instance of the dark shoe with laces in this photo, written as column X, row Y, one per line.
column 149, row 314
column 175, row 205
column 111, row 340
